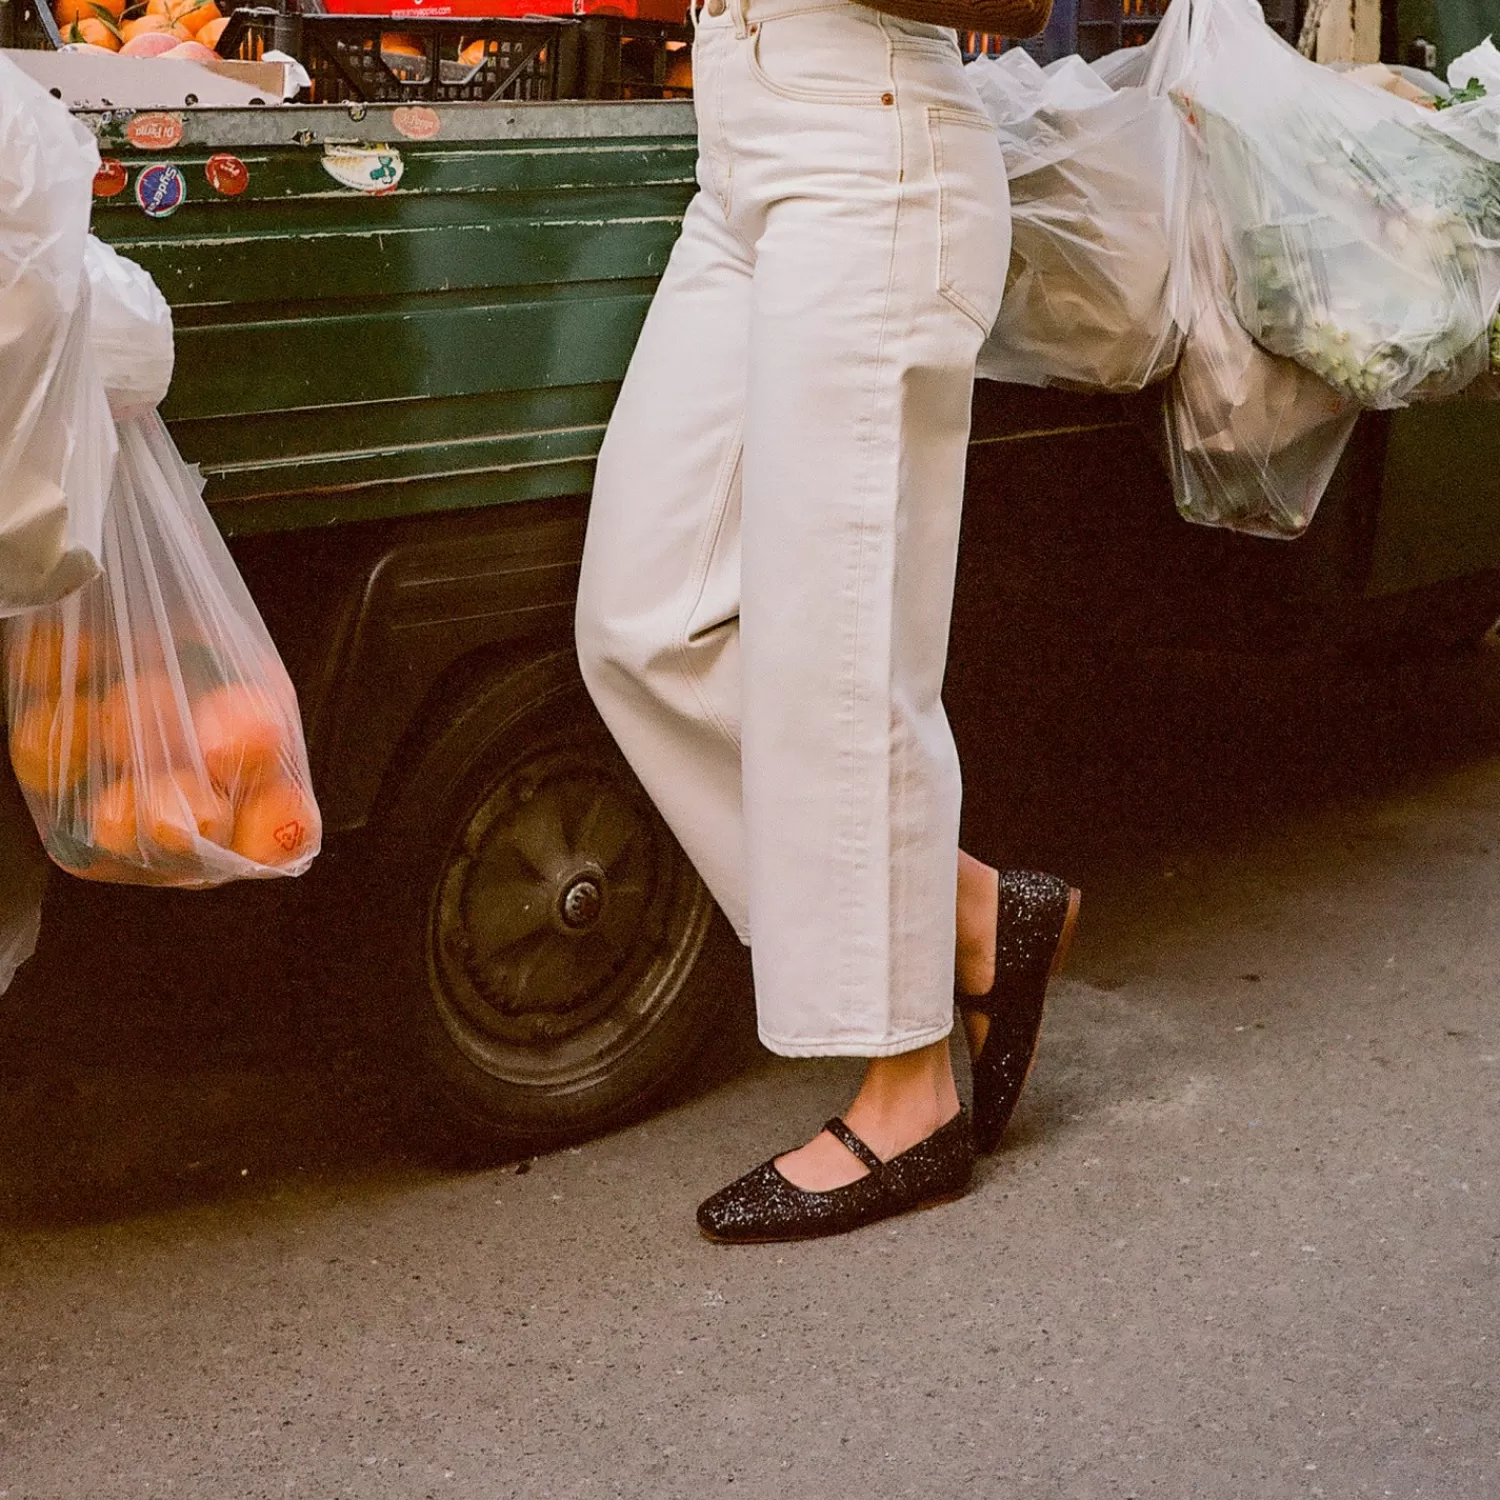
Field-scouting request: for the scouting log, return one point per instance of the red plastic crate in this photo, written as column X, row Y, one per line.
column 674, row 12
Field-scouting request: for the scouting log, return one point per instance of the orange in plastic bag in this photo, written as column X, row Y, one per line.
column 155, row 731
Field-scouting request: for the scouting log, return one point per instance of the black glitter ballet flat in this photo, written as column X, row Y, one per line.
column 763, row 1207
column 1036, row 920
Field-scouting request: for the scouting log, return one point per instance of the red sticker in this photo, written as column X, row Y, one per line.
column 110, row 179
column 416, row 122
column 227, row 174
column 154, row 132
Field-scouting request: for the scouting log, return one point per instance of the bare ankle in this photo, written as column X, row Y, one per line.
column 977, row 911
column 903, row 1099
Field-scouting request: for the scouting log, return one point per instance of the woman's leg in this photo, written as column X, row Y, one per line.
column 906, row 1098
column 657, row 624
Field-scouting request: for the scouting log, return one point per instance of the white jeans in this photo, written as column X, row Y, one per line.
column 768, row 578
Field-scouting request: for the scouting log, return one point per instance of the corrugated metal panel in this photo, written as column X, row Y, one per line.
column 458, row 342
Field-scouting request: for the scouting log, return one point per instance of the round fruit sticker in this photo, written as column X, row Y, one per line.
column 154, row 132
column 226, row 174
column 416, row 122
column 160, row 190
column 111, row 178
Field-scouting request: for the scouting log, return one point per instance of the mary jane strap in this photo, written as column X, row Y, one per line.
column 852, row 1144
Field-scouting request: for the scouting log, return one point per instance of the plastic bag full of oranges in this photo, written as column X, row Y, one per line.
column 153, row 728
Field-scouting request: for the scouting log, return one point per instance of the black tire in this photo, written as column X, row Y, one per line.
column 559, row 963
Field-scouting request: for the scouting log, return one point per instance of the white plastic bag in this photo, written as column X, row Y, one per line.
column 130, row 331
column 1475, row 125
column 1090, row 300
column 1363, row 242
column 57, row 443
column 153, row 728
column 1252, row 438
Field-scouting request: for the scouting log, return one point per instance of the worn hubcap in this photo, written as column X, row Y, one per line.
column 564, row 920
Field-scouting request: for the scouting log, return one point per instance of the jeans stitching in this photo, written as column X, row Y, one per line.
column 805, row 96
column 936, row 115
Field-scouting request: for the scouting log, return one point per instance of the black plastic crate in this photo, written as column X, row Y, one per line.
column 29, row 24
column 379, row 59
column 631, row 59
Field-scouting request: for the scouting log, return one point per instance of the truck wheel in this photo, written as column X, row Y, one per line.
column 560, row 961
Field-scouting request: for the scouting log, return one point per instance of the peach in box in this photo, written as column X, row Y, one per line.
column 150, row 44
column 192, row 52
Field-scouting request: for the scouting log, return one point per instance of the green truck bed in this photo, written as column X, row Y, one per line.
column 457, row 342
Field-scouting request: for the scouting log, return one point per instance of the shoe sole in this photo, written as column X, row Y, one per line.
column 828, row 1234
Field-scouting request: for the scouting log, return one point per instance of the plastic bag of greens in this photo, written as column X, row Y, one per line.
column 1090, row 299
column 153, row 729
column 57, row 443
column 1252, row 439
column 1363, row 242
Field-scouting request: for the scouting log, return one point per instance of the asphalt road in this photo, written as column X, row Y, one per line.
column 1243, row 1242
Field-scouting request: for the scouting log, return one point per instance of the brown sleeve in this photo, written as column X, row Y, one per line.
column 1016, row 19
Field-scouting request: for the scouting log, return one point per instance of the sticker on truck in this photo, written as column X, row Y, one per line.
column 367, row 169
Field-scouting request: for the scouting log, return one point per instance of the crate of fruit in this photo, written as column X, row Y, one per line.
column 385, row 59
column 134, row 28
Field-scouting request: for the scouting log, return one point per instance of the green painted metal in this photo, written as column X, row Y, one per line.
column 455, row 343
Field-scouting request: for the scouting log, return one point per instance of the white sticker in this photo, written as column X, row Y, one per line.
column 367, row 169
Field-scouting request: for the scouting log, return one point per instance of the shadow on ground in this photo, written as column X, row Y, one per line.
column 168, row 1049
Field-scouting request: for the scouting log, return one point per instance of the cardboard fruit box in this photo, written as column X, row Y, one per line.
column 88, row 80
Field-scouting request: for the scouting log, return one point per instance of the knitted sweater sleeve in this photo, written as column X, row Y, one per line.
column 1016, row 19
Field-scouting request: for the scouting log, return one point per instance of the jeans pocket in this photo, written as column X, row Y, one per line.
column 974, row 212
column 832, row 56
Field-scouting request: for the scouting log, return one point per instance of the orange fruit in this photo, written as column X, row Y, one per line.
column 113, row 825
column 69, row 11
column 210, row 33
column 277, row 825
column 241, row 734
column 37, row 650
column 95, row 32
column 404, row 56
column 166, row 814
column 472, row 55
column 49, row 746
column 196, row 17
column 143, row 26
column 177, row 809
column 159, row 715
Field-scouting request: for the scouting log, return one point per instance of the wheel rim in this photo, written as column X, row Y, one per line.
column 565, row 923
